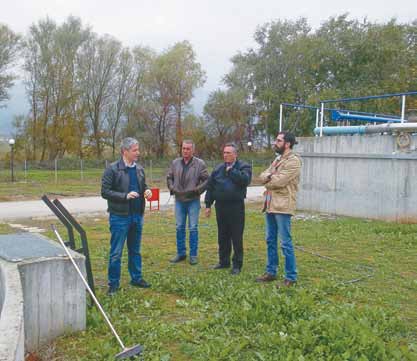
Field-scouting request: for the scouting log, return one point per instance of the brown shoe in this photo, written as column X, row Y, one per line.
column 266, row 277
column 286, row 284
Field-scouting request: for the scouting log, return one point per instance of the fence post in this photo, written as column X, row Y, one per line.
column 81, row 169
column 56, row 171
column 26, row 171
column 150, row 165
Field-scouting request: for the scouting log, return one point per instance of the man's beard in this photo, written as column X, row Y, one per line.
column 278, row 150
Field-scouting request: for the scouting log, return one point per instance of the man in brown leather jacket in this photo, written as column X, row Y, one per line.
column 187, row 179
column 281, row 182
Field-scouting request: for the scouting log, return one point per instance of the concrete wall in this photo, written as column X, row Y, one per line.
column 11, row 313
column 369, row 176
column 55, row 299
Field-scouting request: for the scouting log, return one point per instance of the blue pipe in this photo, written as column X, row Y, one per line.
column 369, row 97
column 358, row 129
column 337, row 115
column 303, row 106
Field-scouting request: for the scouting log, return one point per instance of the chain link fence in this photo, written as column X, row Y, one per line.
column 91, row 170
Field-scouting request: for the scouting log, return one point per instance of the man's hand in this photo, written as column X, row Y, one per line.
column 148, row 194
column 132, row 195
column 208, row 212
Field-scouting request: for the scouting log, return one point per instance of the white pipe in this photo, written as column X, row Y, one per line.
column 317, row 118
column 321, row 118
column 392, row 127
column 280, row 117
column 402, row 108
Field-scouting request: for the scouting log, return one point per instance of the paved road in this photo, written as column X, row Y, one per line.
column 84, row 205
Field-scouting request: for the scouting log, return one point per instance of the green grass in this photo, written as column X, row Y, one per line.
column 67, row 183
column 70, row 183
column 355, row 299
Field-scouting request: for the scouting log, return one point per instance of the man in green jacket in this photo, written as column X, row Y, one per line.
column 281, row 182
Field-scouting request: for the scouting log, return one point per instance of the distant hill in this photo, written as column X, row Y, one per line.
column 17, row 105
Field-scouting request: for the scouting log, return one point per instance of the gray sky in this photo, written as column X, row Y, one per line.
column 217, row 29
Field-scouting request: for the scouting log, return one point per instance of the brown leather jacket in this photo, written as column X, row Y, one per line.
column 189, row 186
column 281, row 182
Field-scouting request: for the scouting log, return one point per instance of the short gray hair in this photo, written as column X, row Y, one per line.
column 127, row 143
column 188, row 141
column 232, row 145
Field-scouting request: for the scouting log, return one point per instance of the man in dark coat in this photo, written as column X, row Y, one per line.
column 226, row 187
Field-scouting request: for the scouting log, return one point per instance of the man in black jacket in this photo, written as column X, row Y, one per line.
column 227, row 188
column 123, row 185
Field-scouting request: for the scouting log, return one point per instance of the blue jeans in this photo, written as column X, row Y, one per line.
column 122, row 228
column 277, row 223
column 182, row 210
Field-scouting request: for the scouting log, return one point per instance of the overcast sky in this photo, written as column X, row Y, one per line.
column 217, row 29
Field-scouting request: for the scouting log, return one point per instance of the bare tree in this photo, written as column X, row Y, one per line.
column 120, row 90
column 98, row 66
column 9, row 47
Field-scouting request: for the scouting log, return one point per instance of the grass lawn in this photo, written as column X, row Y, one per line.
column 68, row 183
column 356, row 298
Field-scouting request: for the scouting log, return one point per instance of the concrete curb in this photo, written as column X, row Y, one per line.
column 11, row 313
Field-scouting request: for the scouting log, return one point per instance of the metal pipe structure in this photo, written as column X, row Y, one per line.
column 344, row 100
column 337, row 115
column 368, row 129
column 402, row 108
column 280, row 117
column 303, row 106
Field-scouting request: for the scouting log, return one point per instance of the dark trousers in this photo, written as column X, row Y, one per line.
column 230, row 218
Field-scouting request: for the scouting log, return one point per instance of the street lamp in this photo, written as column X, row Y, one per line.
column 250, row 146
column 11, row 143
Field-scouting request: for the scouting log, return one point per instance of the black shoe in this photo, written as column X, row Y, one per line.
column 220, row 266
column 178, row 258
column 235, row 271
column 141, row 284
column 112, row 290
column 193, row 260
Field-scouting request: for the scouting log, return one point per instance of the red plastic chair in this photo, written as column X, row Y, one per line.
column 154, row 198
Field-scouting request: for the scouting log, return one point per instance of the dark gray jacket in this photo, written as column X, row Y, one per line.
column 228, row 186
column 188, row 186
column 115, row 187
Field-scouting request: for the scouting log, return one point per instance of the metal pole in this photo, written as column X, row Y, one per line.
column 402, row 108
column 81, row 169
column 26, row 171
column 150, row 165
column 88, row 288
column 280, row 117
column 56, row 171
column 11, row 162
column 321, row 118
column 317, row 119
